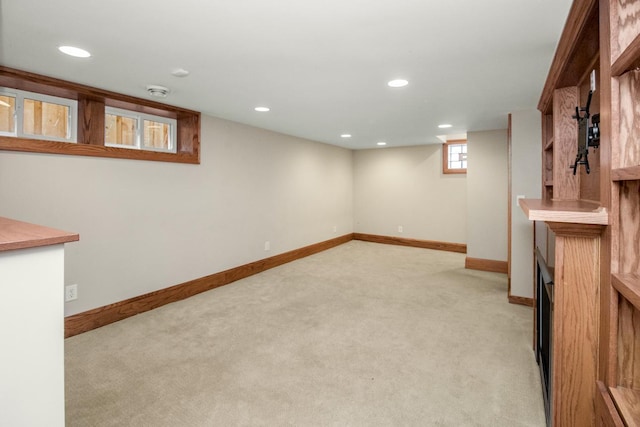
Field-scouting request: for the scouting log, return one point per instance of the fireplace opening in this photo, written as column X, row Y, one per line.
column 544, row 320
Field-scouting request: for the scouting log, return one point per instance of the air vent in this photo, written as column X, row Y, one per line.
column 159, row 91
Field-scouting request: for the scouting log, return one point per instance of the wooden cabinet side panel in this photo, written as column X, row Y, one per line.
column 625, row 25
column 628, row 345
column 566, row 186
column 629, row 224
column 629, row 120
column 575, row 342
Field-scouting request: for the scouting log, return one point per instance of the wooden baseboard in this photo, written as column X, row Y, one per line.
column 101, row 316
column 425, row 244
column 486, row 265
column 529, row 302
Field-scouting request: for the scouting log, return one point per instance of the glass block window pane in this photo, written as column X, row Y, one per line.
column 45, row 119
column 120, row 130
column 7, row 114
column 157, row 135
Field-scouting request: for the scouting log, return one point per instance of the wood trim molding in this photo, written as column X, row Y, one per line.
column 529, row 302
column 576, row 230
column 53, row 147
column 101, row 316
column 401, row 241
column 567, row 49
column 486, row 265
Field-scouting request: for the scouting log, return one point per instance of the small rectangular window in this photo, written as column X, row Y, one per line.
column 34, row 115
column 454, row 157
column 120, row 130
column 130, row 129
column 7, row 114
column 45, row 119
column 157, row 135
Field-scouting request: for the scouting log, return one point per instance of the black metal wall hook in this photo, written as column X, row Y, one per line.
column 588, row 136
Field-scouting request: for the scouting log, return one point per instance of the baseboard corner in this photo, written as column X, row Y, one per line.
column 486, row 265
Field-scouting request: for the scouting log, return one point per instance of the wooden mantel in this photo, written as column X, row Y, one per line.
column 22, row 235
column 565, row 211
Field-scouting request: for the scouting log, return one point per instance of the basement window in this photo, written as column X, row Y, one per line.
column 37, row 116
column 454, row 156
column 38, row 112
column 130, row 129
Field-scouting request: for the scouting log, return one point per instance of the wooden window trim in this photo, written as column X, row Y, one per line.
column 445, row 157
column 91, row 120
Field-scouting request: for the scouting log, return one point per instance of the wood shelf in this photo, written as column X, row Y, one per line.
column 630, row 173
column 629, row 286
column 628, row 403
column 573, row 211
column 549, row 144
column 548, row 183
column 628, row 60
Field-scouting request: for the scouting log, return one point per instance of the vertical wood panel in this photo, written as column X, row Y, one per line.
column 628, row 345
column 625, row 25
column 189, row 134
column 629, row 240
column 566, row 186
column 608, row 296
column 91, row 121
column 575, row 343
column 629, row 124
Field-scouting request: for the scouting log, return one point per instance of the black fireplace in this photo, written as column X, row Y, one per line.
column 544, row 320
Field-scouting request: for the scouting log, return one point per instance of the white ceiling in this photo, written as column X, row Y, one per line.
column 321, row 66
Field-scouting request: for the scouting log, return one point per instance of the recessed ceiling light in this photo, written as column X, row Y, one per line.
column 74, row 51
column 398, row 83
column 345, row 135
column 180, row 72
column 445, row 126
column 382, row 143
column 262, row 109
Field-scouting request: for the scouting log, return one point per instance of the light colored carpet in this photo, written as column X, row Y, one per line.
column 360, row 335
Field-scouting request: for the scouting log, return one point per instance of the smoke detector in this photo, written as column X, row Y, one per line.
column 159, row 91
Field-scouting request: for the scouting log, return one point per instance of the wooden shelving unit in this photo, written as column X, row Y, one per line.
column 621, row 372
column 628, row 403
column 601, row 37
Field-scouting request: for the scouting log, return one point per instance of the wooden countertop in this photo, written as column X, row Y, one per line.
column 574, row 211
column 21, row 235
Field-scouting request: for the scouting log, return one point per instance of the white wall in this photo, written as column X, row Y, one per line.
column 406, row 187
column 526, row 145
column 487, row 194
column 145, row 225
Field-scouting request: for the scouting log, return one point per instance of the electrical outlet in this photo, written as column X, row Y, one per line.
column 335, row 229
column 400, row 229
column 70, row 293
column 267, row 245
